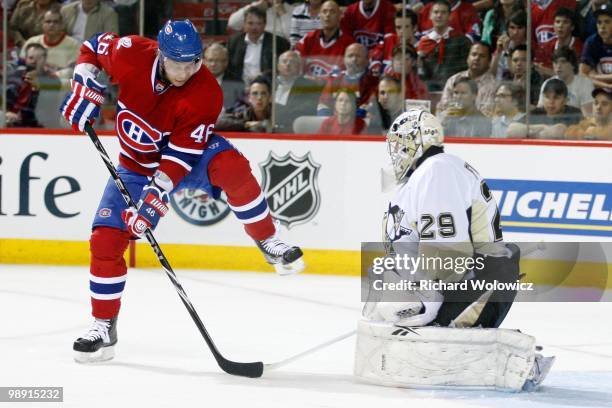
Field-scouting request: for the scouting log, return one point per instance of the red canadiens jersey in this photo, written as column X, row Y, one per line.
column 369, row 28
column 463, row 18
column 543, row 18
column 545, row 53
column 323, row 59
column 159, row 126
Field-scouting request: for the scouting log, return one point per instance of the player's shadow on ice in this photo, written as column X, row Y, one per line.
column 553, row 395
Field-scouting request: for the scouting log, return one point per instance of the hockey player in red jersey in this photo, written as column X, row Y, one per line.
column 166, row 109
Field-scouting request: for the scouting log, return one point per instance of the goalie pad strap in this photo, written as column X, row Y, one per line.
column 475, row 358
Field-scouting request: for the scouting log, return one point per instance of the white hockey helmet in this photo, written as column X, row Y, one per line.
column 410, row 135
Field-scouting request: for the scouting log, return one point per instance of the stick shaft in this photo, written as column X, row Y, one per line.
column 274, row 366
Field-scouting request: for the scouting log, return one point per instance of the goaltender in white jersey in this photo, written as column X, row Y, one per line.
column 444, row 337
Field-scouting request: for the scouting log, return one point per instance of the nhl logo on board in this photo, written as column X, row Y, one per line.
column 290, row 185
column 198, row 208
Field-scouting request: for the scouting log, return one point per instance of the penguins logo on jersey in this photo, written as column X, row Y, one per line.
column 393, row 230
column 198, row 208
column 290, row 185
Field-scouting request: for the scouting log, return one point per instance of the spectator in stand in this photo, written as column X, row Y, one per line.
column 355, row 77
column 552, row 120
column 305, row 18
column 587, row 12
column 415, row 88
column 382, row 54
column 275, row 10
column 216, row 59
column 579, row 87
column 564, row 27
column 23, row 86
column 516, row 34
column 596, row 61
column 478, row 61
column 599, row 126
column 388, row 106
column 344, row 121
column 509, row 108
column 323, row 49
column 543, row 19
column 443, row 51
column 496, row 20
column 295, row 94
column 518, row 72
column 462, row 118
column 26, row 20
column 84, row 18
column 251, row 52
column 368, row 21
column 252, row 116
column 463, row 18
column 62, row 50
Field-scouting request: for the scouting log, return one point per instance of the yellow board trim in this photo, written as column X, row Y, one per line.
column 318, row 261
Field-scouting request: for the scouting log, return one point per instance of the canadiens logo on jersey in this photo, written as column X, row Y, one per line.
column 545, row 33
column 198, row 208
column 367, row 38
column 291, row 187
column 320, row 68
column 605, row 65
column 136, row 133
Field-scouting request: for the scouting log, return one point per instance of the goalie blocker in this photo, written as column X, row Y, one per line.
column 442, row 357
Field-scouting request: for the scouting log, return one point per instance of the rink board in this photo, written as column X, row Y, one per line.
column 50, row 185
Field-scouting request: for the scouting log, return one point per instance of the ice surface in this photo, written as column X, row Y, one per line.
column 162, row 361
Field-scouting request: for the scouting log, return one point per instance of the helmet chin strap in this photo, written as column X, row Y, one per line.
column 160, row 69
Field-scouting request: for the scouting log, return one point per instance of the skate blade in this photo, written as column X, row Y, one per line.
column 104, row 354
column 546, row 364
column 292, row 268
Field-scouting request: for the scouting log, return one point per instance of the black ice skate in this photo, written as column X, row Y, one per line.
column 286, row 259
column 98, row 344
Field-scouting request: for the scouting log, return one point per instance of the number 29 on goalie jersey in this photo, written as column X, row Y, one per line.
column 444, row 200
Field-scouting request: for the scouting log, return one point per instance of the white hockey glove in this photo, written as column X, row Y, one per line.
column 421, row 312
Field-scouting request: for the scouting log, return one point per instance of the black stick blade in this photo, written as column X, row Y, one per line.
column 250, row 370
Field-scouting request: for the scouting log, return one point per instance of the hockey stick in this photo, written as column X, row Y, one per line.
column 274, row 366
column 252, row 370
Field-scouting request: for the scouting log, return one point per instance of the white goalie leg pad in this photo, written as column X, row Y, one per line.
column 442, row 357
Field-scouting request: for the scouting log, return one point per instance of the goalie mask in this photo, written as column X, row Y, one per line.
column 410, row 135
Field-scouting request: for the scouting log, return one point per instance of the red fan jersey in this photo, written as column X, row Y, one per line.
column 543, row 18
column 321, row 58
column 160, row 126
column 463, row 18
column 545, row 53
column 368, row 28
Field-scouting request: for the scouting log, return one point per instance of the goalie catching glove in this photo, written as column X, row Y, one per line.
column 152, row 206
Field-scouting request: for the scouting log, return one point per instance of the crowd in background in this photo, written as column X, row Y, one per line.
column 342, row 68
